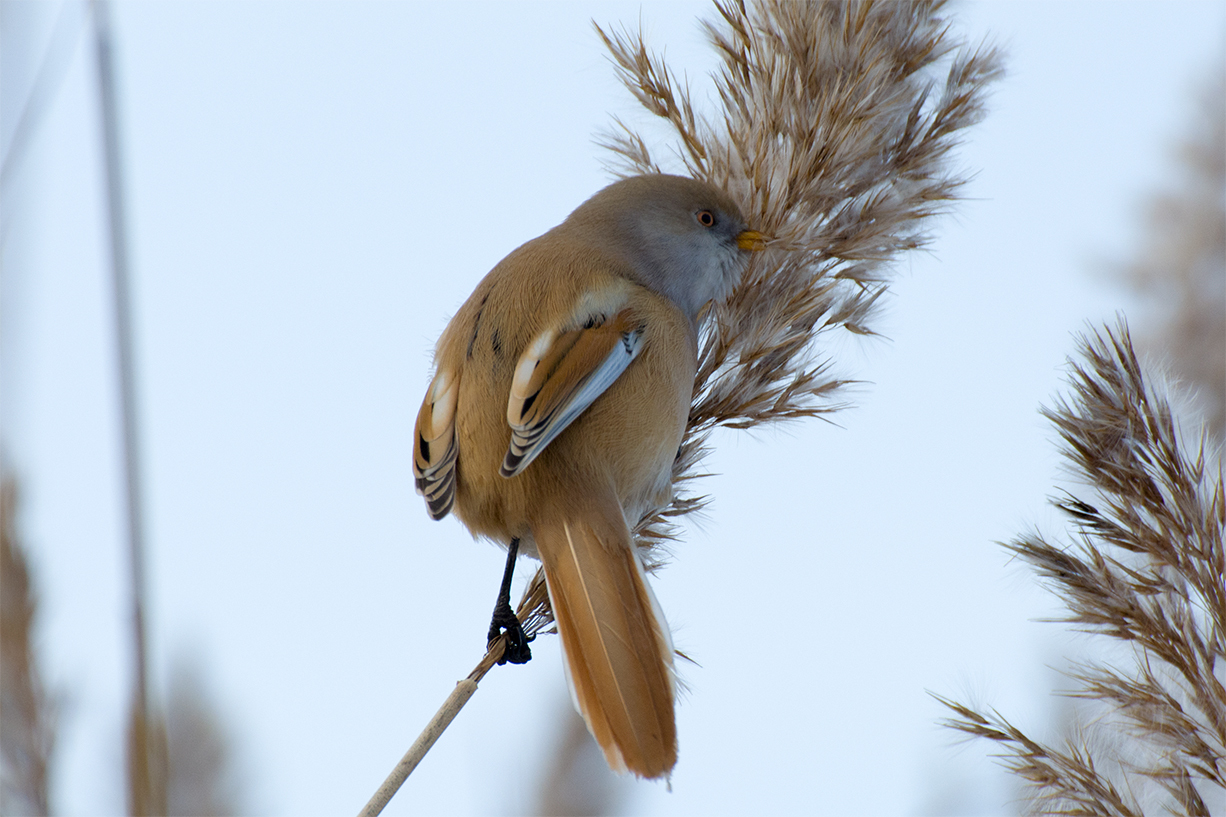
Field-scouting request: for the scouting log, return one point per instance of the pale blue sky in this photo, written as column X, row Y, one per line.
column 315, row 187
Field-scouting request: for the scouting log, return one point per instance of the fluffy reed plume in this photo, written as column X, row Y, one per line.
column 577, row 781
column 27, row 715
column 833, row 134
column 201, row 775
column 1146, row 569
column 1181, row 270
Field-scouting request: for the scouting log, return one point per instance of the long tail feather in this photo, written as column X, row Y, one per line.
column 618, row 652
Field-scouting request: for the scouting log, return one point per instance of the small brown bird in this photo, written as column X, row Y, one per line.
column 560, row 397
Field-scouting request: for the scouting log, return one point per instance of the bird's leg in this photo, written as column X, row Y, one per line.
column 517, row 651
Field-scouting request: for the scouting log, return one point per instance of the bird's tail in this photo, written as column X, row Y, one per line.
column 619, row 656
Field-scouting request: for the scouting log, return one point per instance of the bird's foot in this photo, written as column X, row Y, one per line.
column 505, row 622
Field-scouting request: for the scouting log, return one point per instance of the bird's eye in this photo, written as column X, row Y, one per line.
column 706, row 218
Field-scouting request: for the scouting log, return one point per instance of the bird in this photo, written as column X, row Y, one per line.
column 559, row 401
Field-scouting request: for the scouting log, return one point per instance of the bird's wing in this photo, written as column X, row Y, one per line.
column 434, row 456
column 559, row 376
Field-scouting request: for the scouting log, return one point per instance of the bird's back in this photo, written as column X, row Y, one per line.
column 625, row 440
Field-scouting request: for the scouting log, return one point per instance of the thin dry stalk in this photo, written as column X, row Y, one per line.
column 27, row 714
column 146, row 744
column 148, row 767
column 1147, row 569
column 533, row 623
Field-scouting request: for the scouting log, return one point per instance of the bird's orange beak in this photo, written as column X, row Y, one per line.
column 751, row 240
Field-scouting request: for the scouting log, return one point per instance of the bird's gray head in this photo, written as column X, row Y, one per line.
column 680, row 237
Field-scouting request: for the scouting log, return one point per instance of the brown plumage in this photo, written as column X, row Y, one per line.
column 561, row 393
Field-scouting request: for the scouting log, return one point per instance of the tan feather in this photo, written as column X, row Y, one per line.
column 434, row 455
column 617, row 649
column 559, row 376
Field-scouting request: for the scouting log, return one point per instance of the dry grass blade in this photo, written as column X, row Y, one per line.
column 1147, row 569
column 27, row 716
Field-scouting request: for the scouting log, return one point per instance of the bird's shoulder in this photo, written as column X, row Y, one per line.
column 550, row 283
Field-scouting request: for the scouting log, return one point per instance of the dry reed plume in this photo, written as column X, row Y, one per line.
column 577, row 782
column 1181, row 271
column 1146, row 569
column 202, row 777
column 199, row 775
column 833, row 134
column 27, row 714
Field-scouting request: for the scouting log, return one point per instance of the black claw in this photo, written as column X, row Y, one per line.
column 504, row 620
